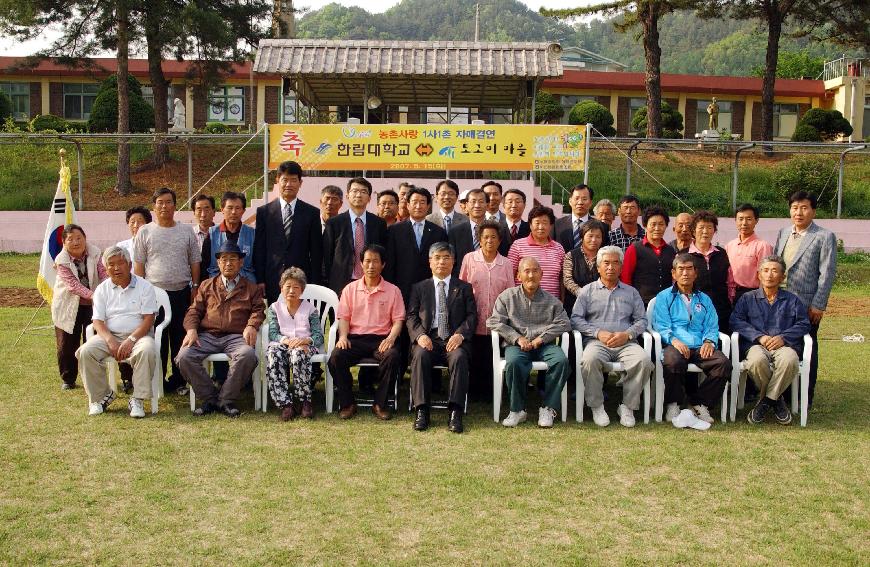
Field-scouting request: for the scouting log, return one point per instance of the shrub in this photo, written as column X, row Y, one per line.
column 547, row 108
column 591, row 112
column 217, row 128
column 45, row 122
column 806, row 133
column 804, row 173
column 5, row 106
column 829, row 124
column 104, row 112
column 672, row 121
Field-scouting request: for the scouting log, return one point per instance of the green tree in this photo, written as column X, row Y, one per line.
column 591, row 112
column 672, row 121
column 547, row 108
column 5, row 106
column 844, row 22
column 104, row 112
column 795, row 65
column 830, row 124
column 646, row 15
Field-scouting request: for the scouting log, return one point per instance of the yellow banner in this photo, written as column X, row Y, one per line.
column 412, row 147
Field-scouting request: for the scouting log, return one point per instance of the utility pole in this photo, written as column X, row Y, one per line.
column 477, row 22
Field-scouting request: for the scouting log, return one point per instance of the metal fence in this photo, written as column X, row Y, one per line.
column 606, row 155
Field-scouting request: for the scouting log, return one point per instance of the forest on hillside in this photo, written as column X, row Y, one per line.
column 689, row 44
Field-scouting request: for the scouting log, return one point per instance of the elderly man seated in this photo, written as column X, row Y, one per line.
column 225, row 317
column 371, row 313
column 442, row 317
column 771, row 323
column 611, row 316
column 124, row 311
column 689, row 327
column 529, row 320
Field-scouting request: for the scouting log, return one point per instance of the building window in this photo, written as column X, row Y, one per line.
column 78, row 98
column 226, row 104
column 19, row 93
column 438, row 115
column 148, row 95
column 703, row 120
column 567, row 102
column 634, row 104
column 785, row 119
column 866, row 126
column 289, row 114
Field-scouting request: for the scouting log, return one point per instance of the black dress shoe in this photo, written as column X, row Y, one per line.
column 206, row 408
column 230, row 410
column 421, row 422
column 455, row 423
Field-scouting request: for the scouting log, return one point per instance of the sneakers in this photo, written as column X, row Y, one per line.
column 687, row 418
column 514, row 418
column 673, row 410
column 96, row 408
column 137, row 408
column 781, row 412
column 626, row 416
column 599, row 416
column 703, row 414
column 757, row 414
column 545, row 417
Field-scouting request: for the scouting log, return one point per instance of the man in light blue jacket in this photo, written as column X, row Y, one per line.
column 689, row 326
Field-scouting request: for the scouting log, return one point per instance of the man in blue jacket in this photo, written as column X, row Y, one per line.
column 689, row 327
column 772, row 323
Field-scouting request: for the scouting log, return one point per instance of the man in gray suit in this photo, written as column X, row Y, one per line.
column 810, row 254
column 444, row 215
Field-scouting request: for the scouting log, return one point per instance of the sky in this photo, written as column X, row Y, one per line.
column 12, row 48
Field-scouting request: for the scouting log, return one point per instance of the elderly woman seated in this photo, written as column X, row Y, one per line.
column 294, row 336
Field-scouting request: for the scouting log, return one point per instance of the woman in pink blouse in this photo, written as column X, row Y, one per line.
column 79, row 272
column 489, row 274
column 539, row 245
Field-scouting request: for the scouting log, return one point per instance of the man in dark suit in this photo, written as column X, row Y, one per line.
column 810, row 254
column 441, row 319
column 287, row 234
column 464, row 238
column 408, row 244
column 348, row 233
column 514, row 205
column 445, row 215
column 566, row 231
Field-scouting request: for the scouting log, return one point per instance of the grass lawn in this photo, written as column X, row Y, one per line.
column 173, row 489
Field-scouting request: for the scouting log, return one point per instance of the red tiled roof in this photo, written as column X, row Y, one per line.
column 105, row 66
column 589, row 80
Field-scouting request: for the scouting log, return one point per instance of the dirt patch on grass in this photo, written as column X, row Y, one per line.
column 19, row 297
column 848, row 306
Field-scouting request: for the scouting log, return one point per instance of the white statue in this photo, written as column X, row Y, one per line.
column 178, row 119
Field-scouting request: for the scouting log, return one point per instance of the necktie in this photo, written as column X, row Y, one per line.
column 443, row 331
column 231, row 285
column 447, row 223
column 577, row 224
column 514, row 232
column 418, row 233
column 474, row 241
column 359, row 242
column 288, row 219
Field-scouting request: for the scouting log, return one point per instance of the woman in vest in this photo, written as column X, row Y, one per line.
column 647, row 263
column 711, row 262
column 294, row 336
column 578, row 268
column 79, row 271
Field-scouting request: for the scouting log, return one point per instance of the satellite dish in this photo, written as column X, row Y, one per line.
column 373, row 102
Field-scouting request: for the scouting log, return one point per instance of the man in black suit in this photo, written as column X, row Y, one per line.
column 408, row 244
column 514, row 205
column 441, row 320
column 463, row 237
column 287, row 234
column 348, row 233
column 566, row 231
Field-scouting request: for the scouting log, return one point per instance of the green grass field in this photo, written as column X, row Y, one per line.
column 172, row 489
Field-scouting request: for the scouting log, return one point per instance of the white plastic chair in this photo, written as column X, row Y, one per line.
column 801, row 379
column 498, row 368
column 255, row 376
column 725, row 345
column 326, row 302
column 157, row 378
column 608, row 367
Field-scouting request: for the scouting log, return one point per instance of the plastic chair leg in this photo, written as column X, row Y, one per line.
column 647, row 394
column 496, row 394
column 565, row 403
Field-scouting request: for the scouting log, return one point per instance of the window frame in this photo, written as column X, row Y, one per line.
column 21, row 98
column 80, row 91
column 221, row 95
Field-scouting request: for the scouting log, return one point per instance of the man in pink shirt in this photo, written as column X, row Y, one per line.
column 745, row 253
column 370, row 317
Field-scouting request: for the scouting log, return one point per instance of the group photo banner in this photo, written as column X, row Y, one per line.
column 513, row 147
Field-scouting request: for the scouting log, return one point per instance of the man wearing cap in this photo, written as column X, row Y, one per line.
column 225, row 317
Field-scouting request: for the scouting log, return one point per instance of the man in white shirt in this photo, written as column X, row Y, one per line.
column 446, row 194
column 493, row 191
column 124, row 311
